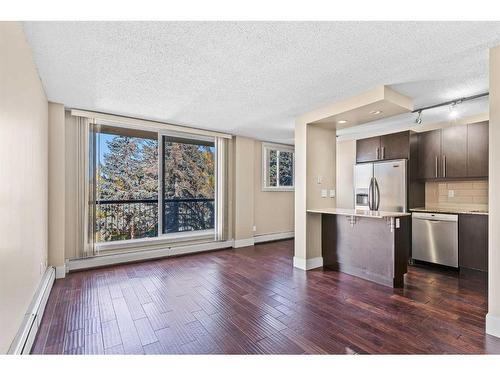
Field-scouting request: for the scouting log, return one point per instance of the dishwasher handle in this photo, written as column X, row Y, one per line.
column 434, row 217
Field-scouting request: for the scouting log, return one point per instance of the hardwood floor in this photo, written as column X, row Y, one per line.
column 252, row 300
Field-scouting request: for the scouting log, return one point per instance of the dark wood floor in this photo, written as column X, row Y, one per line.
column 251, row 300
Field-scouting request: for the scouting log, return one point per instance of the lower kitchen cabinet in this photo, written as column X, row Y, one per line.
column 473, row 241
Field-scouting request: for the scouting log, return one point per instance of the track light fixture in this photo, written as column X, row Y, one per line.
column 419, row 118
column 452, row 103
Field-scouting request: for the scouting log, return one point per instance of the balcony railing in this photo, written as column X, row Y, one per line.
column 138, row 218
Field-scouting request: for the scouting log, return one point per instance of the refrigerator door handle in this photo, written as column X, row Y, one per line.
column 377, row 189
column 370, row 195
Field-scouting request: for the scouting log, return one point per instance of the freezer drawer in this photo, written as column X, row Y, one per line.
column 435, row 238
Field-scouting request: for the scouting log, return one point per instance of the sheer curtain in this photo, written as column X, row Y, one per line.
column 221, row 230
column 86, row 186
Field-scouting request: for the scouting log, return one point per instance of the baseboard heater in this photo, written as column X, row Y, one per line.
column 29, row 327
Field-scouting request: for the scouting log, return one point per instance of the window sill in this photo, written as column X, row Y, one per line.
column 289, row 189
column 164, row 239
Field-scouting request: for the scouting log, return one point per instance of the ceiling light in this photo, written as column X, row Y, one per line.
column 418, row 120
column 453, row 111
column 377, row 112
column 342, row 122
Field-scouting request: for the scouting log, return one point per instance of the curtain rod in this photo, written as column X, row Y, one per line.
column 456, row 101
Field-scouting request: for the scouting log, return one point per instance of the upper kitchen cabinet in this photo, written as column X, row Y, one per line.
column 429, row 153
column 386, row 147
column 367, row 149
column 477, row 147
column 454, row 152
column 395, row 146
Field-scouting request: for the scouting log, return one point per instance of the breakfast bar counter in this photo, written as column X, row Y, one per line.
column 373, row 245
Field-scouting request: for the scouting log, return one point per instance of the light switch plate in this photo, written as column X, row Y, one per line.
column 324, row 193
column 332, row 193
column 451, row 193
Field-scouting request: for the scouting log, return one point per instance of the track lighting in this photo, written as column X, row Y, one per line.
column 419, row 118
column 453, row 106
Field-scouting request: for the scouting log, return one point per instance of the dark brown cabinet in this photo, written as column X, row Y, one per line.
column 454, row 152
column 367, row 149
column 386, row 147
column 429, row 154
column 477, row 153
column 395, row 146
column 473, row 241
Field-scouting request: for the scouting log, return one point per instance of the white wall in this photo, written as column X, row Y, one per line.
column 493, row 317
column 23, row 180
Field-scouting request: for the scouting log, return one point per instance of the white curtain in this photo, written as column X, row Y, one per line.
column 86, row 187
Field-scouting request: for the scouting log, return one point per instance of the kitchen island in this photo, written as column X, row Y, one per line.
column 373, row 245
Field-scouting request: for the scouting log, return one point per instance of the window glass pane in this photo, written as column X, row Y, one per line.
column 286, row 168
column 188, row 185
column 272, row 167
column 127, row 184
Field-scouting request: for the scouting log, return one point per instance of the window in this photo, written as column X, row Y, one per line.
column 151, row 184
column 188, row 184
column 277, row 167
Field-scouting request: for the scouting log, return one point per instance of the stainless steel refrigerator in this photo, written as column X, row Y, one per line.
column 380, row 186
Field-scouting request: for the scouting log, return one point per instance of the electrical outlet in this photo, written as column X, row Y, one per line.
column 320, row 179
column 324, row 193
column 451, row 193
column 332, row 193
column 254, row 228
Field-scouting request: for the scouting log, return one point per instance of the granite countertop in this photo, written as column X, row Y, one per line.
column 358, row 213
column 450, row 210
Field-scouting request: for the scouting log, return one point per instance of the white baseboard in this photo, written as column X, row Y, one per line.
column 107, row 260
column 61, row 272
column 244, row 242
column 26, row 334
column 273, row 237
column 493, row 325
column 307, row 264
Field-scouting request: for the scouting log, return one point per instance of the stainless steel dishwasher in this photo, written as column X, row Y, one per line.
column 435, row 238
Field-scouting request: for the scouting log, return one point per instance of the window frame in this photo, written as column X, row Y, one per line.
column 163, row 238
column 161, row 197
column 266, row 146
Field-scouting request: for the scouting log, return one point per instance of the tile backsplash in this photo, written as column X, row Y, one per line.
column 470, row 194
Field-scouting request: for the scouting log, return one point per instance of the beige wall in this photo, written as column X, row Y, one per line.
column 315, row 150
column 493, row 317
column 273, row 209
column 23, row 176
column 243, row 187
column 269, row 212
column 57, row 216
column 346, row 158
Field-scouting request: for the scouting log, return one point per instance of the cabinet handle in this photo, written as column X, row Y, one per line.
column 378, row 153
column 383, row 152
column 436, row 167
column 444, row 165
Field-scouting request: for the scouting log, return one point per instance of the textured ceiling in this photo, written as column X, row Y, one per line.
column 254, row 78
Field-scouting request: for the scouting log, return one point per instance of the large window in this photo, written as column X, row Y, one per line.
column 277, row 167
column 148, row 184
column 188, row 184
